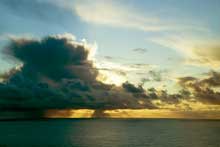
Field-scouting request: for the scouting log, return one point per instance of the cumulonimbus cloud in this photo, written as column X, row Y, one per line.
column 56, row 73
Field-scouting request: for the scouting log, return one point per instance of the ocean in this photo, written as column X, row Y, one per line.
column 110, row 133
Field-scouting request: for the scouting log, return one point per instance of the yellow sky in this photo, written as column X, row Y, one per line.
column 132, row 113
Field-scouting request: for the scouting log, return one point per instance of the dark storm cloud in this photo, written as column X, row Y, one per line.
column 133, row 89
column 56, row 73
column 136, row 91
column 52, row 57
column 8, row 74
column 205, row 89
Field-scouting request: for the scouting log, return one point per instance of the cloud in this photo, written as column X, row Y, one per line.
column 131, row 113
column 37, row 11
column 112, row 72
column 205, row 90
column 154, row 94
column 196, row 50
column 108, row 57
column 155, row 75
column 213, row 79
column 208, row 54
column 100, row 114
column 140, row 50
column 56, row 73
column 136, row 91
column 112, row 14
column 117, row 14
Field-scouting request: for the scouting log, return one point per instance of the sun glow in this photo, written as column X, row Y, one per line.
column 132, row 113
column 69, row 113
column 111, row 73
column 108, row 77
column 185, row 105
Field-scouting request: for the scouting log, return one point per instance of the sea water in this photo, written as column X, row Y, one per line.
column 110, row 133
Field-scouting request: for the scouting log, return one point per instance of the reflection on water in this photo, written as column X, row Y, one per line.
column 111, row 133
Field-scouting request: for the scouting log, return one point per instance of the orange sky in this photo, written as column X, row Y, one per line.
column 131, row 113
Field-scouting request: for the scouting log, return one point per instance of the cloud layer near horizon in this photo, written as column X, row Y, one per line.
column 56, row 73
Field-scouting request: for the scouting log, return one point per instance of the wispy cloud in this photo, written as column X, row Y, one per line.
column 197, row 50
column 120, row 15
column 113, row 13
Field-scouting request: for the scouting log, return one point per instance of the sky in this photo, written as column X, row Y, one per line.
column 111, row 56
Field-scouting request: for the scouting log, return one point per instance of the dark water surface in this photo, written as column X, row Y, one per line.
column 111, row 133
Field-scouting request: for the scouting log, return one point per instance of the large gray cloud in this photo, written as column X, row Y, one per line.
column 53, row 58
column 56, row 73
